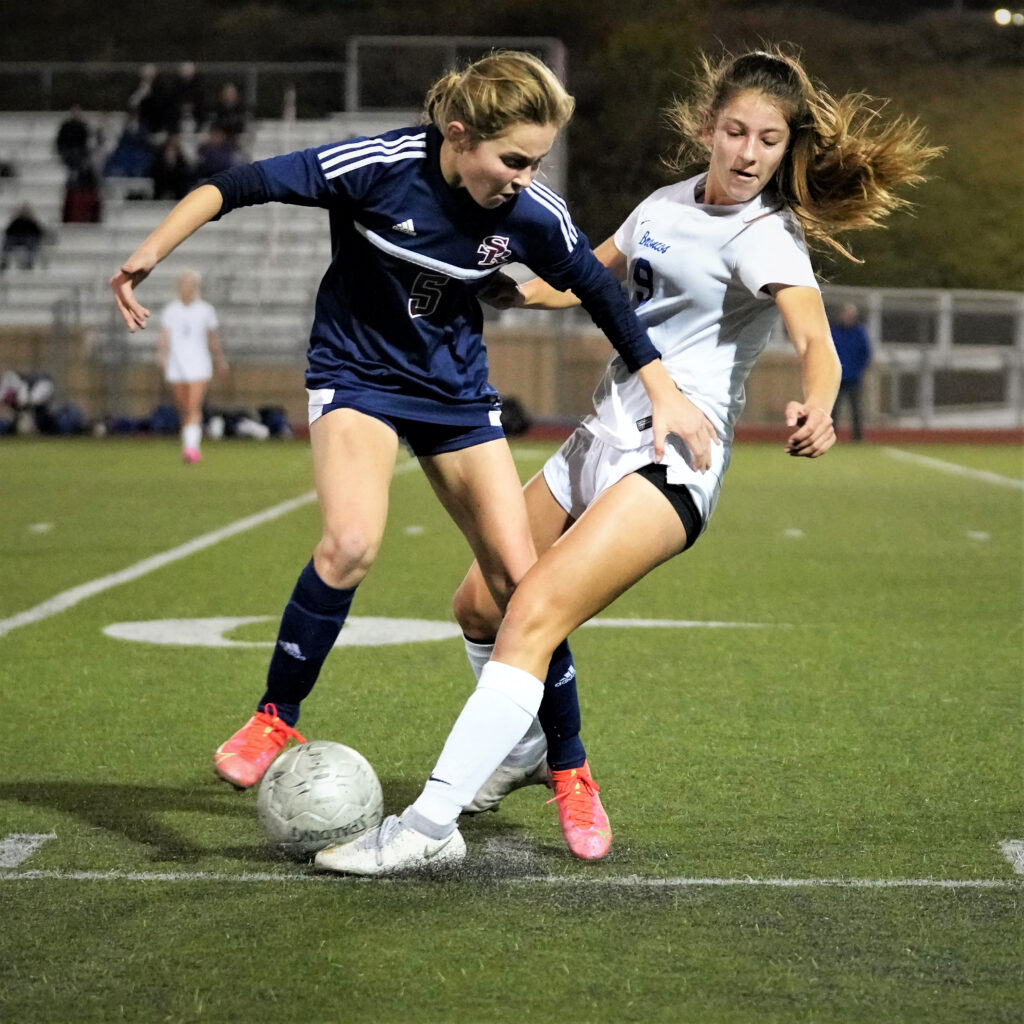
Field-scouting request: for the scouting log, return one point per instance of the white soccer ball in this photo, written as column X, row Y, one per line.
column 316, row 795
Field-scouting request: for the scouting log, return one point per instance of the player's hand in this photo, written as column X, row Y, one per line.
column 132, row 273
column 814, row 433
column 501, row 292
column 676, row 414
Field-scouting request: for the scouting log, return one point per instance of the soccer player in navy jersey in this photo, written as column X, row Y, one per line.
column 420, row 219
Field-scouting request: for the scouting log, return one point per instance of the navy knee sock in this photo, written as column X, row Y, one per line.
column 559, row 712
column 310, row 624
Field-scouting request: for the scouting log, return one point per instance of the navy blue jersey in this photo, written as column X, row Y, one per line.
column 396, row 311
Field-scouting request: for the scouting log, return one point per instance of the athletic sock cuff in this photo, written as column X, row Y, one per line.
column 421, row 823
column 521, row 688
column 322, row 596
column 478, row 650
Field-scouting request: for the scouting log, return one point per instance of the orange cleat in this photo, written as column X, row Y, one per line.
column 584, row 823
column 244, row 759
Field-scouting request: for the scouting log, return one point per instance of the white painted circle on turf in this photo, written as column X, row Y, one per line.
column 358, row 632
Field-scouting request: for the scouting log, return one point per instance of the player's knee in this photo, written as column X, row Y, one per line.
column 344, row 556
column 475, row 612
column 533, row 620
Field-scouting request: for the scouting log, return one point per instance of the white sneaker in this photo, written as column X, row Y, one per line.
column 506, row 778
column 391, row 848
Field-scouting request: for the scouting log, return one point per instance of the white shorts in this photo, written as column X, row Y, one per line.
column 586, row 466
column 184, row 368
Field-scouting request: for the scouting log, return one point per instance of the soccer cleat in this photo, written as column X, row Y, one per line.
column 244, row 759
column 506, row 778
column 390, row 848
column 191, row 455
column 584, row 823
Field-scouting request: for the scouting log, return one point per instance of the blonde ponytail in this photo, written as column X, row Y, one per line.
column 491, row 95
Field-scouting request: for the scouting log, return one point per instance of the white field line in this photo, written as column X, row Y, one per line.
column 1013, row 851
column 622, row 881
column 957, row 470
column 19, row 846
column 69, row 598
column 674, row 624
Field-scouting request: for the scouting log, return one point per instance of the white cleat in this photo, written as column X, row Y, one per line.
column 391, row 848
column 506, row 778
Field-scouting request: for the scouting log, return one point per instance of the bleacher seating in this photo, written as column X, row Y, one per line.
column 260, row 268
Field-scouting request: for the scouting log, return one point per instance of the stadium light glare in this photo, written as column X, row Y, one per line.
column 1002, row 16
column 1017, row 19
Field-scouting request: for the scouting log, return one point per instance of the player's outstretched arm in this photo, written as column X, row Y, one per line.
column 538, row 294
column 807, row 325
column 190, row 214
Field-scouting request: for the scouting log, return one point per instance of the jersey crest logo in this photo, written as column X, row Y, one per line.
column 405, row 226
column 494, row 250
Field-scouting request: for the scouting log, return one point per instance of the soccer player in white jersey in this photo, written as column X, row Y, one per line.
column 188, row 350
column 420, row 218
column 710, row 262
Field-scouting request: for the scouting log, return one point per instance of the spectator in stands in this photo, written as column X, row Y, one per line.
column 854, row 350
column 188, row 100
column 172, row 171
column 151, row 101
column 82, row 201
column 216, row 153
column 73, row 140
column 230, row 114
column 132, row 156
column 23, row 237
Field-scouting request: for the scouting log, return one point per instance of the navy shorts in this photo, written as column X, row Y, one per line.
column 424, row 439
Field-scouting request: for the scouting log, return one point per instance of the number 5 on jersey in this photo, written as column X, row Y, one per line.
column 425, row 294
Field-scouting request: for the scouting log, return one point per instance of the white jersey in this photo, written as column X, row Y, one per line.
column 188, row 329
column 697, row 276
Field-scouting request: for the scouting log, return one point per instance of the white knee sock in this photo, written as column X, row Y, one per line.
column 191, row 435
column 526, row 750
column 496, row 715
column 478, row 655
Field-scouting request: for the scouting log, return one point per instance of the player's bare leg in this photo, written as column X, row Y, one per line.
column 353, row 460
column 479, row 616
column 597, row 559
column 188, row 396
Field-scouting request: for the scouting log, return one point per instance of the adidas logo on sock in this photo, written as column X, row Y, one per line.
column 406, row 227
column 293, row 649
column 569, row 676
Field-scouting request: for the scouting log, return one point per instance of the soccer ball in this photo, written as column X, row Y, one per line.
column 316, row 795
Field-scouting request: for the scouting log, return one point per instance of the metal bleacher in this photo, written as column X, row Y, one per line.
column 260, row 267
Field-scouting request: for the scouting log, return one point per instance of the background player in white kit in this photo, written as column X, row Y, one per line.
column 710, row 263
column 188, row 351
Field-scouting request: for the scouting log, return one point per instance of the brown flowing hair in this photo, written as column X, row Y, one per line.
column 845, row 160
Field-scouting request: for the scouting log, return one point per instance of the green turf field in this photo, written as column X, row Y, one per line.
column 810, row 799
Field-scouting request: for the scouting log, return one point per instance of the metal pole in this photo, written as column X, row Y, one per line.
column 352, row 76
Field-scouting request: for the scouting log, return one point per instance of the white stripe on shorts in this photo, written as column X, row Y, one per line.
column 318, row 398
